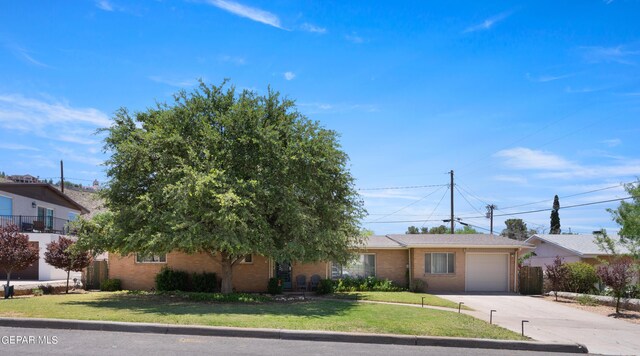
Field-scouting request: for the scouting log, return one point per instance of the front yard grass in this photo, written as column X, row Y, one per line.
column 400, row 297
column 330, row 315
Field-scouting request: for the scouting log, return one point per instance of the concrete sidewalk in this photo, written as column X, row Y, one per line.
column 310, row 335
column 554, row 322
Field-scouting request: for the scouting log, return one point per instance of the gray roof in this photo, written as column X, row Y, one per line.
column 381, row 241
column 579, row 244
column 442, row 240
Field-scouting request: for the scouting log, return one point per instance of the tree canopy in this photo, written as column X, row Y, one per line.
column 627, row 215
column 516, row 229
column 555, row 217
column 16, row 253
column 62, row 254
column 440, row 230
column 232, row 173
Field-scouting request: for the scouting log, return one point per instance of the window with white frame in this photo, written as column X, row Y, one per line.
column 151, row 258
column 439, row 263
column 363, row 266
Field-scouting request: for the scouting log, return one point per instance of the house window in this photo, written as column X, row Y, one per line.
column 439, row 263
column 247, row 259
column 6, row 206
column 46, row 215
column 71, row 216
column 151, row 258
column 363, row 266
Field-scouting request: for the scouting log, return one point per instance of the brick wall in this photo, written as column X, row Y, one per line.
column 452, row 282
column 391, row 264
column 251, row 277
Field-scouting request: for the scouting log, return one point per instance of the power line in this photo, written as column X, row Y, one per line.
column 565, row 196
column 434, row 209
column 406, row 187
column 468, row 202
column 413, row 203
column 510, row 214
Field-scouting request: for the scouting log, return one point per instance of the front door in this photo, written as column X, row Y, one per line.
column 283, row 272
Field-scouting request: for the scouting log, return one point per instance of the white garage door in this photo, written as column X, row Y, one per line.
column 487, row 272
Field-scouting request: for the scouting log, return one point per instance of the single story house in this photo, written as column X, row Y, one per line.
column 570, row 248
column 451, row 263
column 42, row 212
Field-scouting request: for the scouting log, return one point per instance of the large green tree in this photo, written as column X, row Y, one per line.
column 627, row 215
column 555, row 217
column 516, row 229
column 229, row 174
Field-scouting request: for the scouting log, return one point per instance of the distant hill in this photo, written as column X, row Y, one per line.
column 89, row 200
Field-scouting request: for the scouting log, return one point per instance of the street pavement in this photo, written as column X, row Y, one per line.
column 82, row 342
column 553, row 322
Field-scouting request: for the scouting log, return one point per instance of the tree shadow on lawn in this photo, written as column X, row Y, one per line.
column 166, row 306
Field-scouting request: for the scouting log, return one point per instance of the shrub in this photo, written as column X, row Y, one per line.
column 204, row 282
column 275, row 286
column 586, row 300
column 326, row 286
column 557, row 274
column 419, row 286
column 110, row 285
column 46, row 289
column 364, row 284
column 581, row 277
column 219, row 297
column 37, row 292
column 168, row 279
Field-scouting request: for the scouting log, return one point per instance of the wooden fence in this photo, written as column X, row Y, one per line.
column 97, row 272
column 530, row 280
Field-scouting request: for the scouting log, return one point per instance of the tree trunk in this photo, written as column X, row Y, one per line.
column 68, row 272
column 8, row 278
column 227, row 265
column 618, row 304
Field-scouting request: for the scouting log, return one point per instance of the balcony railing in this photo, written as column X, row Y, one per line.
column 44, row 224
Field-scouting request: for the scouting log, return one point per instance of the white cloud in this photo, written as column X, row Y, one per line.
column 525, row 158
column 488, row 23
column 612, row 142
column 180, row 83
column 315, row 108
column 17, row 147
column 104, row 5
column 547, row 78
column 556, row 167
column 233, row 59
column 248, row 12
column 25, row 56
column 511, row 179
column 313, row 28
column 289, row 75
column 618, row 54
column 354, row 38
column 53, row 120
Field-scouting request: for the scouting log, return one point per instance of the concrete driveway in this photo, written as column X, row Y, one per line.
column 554, row 322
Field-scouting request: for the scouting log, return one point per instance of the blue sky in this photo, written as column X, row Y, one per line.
column 523, row 100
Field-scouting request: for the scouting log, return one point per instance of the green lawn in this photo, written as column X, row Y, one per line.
column 401, row 297
column 306, row 315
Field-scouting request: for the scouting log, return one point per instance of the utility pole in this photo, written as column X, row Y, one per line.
column 490, row 208
column 452, row 220
column 61, row 176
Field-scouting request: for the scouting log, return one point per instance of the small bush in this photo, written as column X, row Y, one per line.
column 275, row 286
column 326, row 286
column 204, row 282
column 37, row 292
column 219, row 297
column 168, row 280
column 586, row 299
column 364, row 284
column 419, row 286
column 111, row 285
column 581, row 278
column 47, row 289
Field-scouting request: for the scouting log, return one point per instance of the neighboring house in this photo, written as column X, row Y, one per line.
column 571, row 248
column 27, row 178
column 43, row 213
column 451, row 263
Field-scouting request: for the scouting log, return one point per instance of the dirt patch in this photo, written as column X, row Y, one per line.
column 626, row 315
column 11, row 314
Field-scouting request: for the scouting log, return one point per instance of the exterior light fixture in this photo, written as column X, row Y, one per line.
column 33, row 205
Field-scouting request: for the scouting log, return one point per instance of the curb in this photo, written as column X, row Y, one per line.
column 311, row 335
